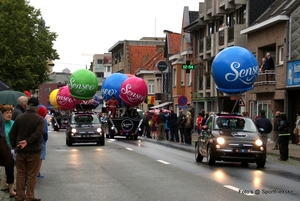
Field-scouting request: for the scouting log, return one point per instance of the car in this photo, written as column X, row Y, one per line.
column 59, row 122
column 231, row 138
column 84, row 127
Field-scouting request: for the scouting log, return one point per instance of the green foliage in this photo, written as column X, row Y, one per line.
column 25, row 45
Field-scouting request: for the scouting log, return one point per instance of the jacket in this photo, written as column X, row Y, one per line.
column 263, row 122
column 277, row 123
column 284, row 127
column 30, row 127
column 17, row 111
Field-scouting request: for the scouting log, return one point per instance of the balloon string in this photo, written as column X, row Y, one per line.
column 237, row 100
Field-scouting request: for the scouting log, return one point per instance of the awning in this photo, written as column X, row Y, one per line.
column 161, row 105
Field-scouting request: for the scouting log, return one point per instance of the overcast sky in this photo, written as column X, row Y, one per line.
column 87, row 27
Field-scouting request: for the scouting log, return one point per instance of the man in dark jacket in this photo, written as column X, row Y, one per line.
column 276, row 131
column 264, row 126
column 172, row 124
column 20, row 107
column 180, row 123
column 26, row 137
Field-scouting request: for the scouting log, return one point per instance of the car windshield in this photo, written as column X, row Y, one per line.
column 238, row 123
column 85, row 119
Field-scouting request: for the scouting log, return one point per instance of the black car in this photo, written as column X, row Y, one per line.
column 84, row 127
column 230, row 137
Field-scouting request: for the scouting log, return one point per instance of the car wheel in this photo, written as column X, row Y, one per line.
column 261, row 163
column 210, row 159
column 198, row 156
column 68, row 142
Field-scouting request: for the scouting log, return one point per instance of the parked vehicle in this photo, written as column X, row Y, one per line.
column 229, row 137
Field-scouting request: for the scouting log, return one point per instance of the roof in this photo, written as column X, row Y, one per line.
column 173, row 43
column 150, row 65
column 280, row 10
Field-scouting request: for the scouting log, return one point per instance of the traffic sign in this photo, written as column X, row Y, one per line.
column 182, row 100
column 241, row 102
column 162, row 66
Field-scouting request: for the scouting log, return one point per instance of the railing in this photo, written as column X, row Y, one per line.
column 267, row 77
column 221, row 37
column 230, row 34
column 208, row 42
column 201, row 45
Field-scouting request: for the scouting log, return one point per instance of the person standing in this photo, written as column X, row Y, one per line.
column 269, row 67
column 297, row 124
column 161, row 120
column 26, row 138
column 9, row 170
column 20, row 107
column 42, row 111
column 172, row 123
column 198, row 123
column 180, row 123
column 283, row 138
column 188, row 128
column 276, row 131
column 264, row 126
column 167, row 129
column 111, row 105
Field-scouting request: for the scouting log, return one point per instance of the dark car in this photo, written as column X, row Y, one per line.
column 83, row 128
column 232, row 138
column 59, row 122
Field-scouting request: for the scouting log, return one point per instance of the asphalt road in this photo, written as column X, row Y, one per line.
column 143, row 170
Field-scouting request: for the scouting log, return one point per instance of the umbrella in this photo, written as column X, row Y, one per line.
column 10, row 97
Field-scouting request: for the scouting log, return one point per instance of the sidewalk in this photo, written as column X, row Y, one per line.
column 294, row 150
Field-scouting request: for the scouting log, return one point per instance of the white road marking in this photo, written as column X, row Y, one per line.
column 129, row 149
column 164, row 162
column 239, row 190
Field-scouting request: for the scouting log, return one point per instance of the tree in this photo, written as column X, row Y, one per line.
column 26, row 45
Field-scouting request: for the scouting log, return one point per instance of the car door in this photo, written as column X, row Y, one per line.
column 205, row 136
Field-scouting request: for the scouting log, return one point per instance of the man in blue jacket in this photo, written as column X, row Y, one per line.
column 264, row 126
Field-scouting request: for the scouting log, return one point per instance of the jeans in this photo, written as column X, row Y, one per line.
column 283, row 142
column 26, row 164
column 9, row 171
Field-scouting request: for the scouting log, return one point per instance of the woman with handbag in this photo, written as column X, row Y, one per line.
column 9, row 169
column 297, row 127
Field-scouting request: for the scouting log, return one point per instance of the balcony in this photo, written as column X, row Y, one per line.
column 208, row 42
column 267, row 77
column 221, row 37
column 265, row 82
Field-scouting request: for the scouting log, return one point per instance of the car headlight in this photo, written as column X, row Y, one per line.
column 258, row 142
column 220, row 140
column 99, row 130
column 73, row 130
column 112, row 128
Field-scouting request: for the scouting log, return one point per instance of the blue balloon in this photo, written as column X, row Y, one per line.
column 234, row 70
column 111, row 86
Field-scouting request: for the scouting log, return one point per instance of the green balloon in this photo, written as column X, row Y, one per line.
column 83, row 84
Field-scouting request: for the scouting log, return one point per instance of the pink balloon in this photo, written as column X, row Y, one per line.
column 133, row 91
column 64, row 99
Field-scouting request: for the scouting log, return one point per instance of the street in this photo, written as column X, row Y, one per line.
column 145, row 170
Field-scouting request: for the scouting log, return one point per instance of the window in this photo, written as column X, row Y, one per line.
column 158, row 85
column 47, row 89
column 150, row 86
column 182, row 77
column 99, row 74
column 108, row 69
column 280, row 55
column 189, row 78
column 230, row 20
column 99, row 61
column 241, row 15
column 174, row 75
